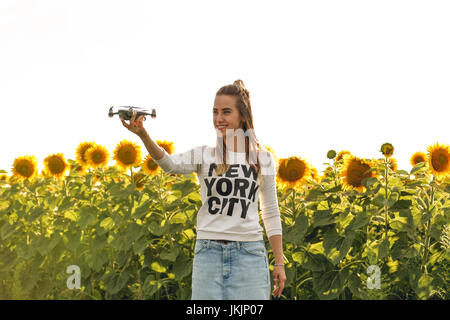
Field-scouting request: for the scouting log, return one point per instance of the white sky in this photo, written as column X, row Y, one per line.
column 321, row 74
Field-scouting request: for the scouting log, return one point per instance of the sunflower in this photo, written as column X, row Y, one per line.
column 45, row 174
column 292, row 172
column 56, row 165
column 315, row 174
column 139, row 180
column 3, row 177
column 417, row 158
column 127, row 154
column 340, row 156
column 81, row 154
column 393, row 164
column 272, row 152
column 98, row 178
column 97, row 156
column 438, row 159
column 387, row 149
column 149, row 166
column 166, row 145
column 75, row 166
column 25, row 167
column 331, row 154
column 327, row 173
column 354, row 171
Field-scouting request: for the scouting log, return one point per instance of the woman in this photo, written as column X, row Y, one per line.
column 230, row 258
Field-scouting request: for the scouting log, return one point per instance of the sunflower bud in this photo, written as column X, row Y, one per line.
column 387, row 149
column 331, row 154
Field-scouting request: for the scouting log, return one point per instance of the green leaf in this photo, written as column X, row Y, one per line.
column 383, row 249
column 378, row 200
column 96, row 260
column 328, row 285
column 156, row 266
column 417, row 167
column 335, row 246
column 143, row 209
column 74, row 240
column 296, row 233
column 135, row 231
column 298, row 256
column 170, row 255
column 393, row 198
column 423, row 286
column 23, row 250
column 71, row 215
column 182, row 267
column 151, row 285
column 322, row 218
column 334, row 189
column 120, row 283
column 155, row 228
column 314, row 262
column 7, row 261
column 399, row 224
column 107, row 223
column 186, row 187
column 357, row 287
column 401, row 205
column 36, row 214
column 360, row 220
column 99, row 242
column 179, row 217
column 368, row 182
column 315, row 195
column 8, row 230
column 119, row 193
column 88, row 216
column 140, row 245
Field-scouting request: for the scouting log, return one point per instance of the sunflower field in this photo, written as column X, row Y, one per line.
column 130, row 227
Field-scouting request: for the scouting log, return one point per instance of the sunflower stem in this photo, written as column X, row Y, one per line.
column 428, row 229
column 386, row 196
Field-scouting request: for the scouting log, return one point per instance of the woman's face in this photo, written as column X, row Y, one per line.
column 225, row 113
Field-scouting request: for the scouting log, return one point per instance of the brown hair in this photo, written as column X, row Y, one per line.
column 238, row 90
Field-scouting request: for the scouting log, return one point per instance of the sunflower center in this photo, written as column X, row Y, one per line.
column 97, row 157
column 355, row 173
column 127, row 155
column 24, row 170
column 56, row 165
column 152, row 165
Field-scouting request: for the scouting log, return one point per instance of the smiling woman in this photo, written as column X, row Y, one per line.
column 230, row 258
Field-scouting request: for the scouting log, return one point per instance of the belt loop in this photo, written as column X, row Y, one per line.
column 208, row 243
column 239, row 245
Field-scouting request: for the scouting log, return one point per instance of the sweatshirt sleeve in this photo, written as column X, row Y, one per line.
column 181, row 163
column 269, row 200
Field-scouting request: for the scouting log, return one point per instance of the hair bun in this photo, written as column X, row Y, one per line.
column 241, row 85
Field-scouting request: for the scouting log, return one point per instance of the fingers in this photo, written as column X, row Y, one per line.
column 134, row 123
column 278, row 285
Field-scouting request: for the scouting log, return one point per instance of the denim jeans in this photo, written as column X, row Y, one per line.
column 238, row 270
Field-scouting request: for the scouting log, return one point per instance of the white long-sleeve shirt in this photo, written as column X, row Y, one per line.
column 229, row 208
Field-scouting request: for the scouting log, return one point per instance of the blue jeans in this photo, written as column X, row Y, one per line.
column 238, row 270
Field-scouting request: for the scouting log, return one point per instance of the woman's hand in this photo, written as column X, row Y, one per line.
column 279, row 278
column 135, row 126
